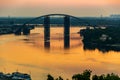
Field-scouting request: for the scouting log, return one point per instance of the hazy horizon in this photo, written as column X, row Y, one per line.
column 81, row 8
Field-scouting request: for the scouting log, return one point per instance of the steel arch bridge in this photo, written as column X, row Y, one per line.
column 20, row 29
column 46, row 23
column 79, row 20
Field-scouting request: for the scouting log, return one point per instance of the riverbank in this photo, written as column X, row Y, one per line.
column 101, row 38
column 6, row 29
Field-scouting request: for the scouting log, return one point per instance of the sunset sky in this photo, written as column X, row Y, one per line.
column 19, row 8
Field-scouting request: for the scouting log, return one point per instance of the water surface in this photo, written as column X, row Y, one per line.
column 27, row 54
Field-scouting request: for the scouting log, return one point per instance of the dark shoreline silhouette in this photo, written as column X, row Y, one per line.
column 9, row 24
column 105, row 39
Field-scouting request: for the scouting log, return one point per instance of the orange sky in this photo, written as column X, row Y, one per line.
column 59, row 3
column 105, row 7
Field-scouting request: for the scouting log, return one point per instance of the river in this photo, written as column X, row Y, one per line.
column 27, row 54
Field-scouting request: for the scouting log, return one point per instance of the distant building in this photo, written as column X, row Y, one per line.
column 115, row 16
column 15, row 76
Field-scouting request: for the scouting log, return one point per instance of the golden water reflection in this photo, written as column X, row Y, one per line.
column 27, row 54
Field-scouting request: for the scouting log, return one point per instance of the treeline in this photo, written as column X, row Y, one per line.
column 109, row 35
column 101, row 38
column 86, row 75
column 59, row 20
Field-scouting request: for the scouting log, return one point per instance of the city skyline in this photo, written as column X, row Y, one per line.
column 33, row 8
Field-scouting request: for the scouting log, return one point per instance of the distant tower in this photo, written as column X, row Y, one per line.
column 10, row 21
column 101, row 16
column 8, row 16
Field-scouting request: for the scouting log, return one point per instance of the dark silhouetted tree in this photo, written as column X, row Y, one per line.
column 77, row 77
column 49, row 77
column 60, row 78
column 95, row 77
column 86, row 74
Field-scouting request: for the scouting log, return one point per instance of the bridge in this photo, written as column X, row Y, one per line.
column 26, row 31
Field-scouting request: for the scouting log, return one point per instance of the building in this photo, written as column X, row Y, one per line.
column 115, row 16
column 15, row 76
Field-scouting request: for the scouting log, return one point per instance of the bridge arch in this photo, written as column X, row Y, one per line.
column 20, row 29
column 79, row 20
column 46, row 23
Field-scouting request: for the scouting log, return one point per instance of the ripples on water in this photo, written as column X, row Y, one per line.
column 27, row 54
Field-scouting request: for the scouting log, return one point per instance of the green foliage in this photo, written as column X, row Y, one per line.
column 50, row 77
column 104, row 39
column 86, row 76
column 93, row 35
column 60, row 78
column 111, row 76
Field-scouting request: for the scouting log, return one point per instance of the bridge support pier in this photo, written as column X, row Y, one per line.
column 26, row 31
column 66, row 32
column 18, row 32
column 47, row 32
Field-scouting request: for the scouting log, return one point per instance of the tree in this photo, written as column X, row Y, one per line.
column 86, row 74
column 49, row 77
column 77, row 77
column 60, row 78
column 95, row 77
